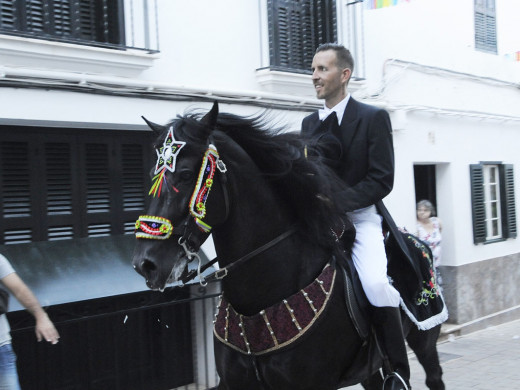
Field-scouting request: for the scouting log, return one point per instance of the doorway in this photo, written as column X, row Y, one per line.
column 425, row 183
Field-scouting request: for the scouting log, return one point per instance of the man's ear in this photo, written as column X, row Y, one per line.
column 345, row 75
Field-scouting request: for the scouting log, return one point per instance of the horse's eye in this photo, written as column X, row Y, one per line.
column 186, row 175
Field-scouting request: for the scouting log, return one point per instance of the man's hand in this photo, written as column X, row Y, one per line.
column 45, row 329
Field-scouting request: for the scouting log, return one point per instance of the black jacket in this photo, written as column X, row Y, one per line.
column 365, row 159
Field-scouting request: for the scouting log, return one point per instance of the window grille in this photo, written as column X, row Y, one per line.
column 492, row 202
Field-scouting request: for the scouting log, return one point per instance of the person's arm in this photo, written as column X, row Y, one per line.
column 44, row 327
column 379, row 179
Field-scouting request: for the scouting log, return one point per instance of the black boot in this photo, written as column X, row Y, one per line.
column 389, row 333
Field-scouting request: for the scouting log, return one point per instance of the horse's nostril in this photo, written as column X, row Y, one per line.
column 148, row 266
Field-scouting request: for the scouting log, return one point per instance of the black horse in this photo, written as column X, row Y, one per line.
column 270, row 204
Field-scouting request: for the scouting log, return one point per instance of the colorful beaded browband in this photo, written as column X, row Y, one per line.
column 156, row 228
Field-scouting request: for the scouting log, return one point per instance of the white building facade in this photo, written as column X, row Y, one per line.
column 446, row 71
column 449, row 74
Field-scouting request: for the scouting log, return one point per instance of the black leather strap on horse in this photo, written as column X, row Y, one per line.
column 222, row 273
column 223, row 182
column 193, row 273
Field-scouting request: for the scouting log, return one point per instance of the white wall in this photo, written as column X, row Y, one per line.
column 440, row 33
column 450, row 105
column 208, row 44
column 207, row 48
column 508, row 26
column 452, row 143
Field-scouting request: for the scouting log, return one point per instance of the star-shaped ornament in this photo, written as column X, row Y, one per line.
column 167, row 154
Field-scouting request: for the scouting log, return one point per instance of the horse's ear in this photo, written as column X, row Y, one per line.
column 210, row 119
column 154, row 126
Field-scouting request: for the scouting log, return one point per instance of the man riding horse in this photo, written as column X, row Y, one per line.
column 364, row 159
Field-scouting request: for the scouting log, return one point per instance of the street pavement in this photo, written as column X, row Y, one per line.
column 488, row 359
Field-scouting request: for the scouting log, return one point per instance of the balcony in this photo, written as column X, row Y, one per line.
column 109, row 36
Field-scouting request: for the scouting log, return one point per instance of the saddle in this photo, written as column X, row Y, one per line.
column 357, row 302
column 368, row 359
column 425, row 306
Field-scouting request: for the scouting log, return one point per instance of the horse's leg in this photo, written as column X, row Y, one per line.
column 374, row 382
column 234, row 369
column 424, row 344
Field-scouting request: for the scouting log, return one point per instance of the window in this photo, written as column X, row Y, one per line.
column 493, row 202
column 485, row 26
column 59, row 184
column 97, row 22
column 296, row 29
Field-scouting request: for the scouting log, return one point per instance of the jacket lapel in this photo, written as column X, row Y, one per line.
column 314, row 124
column 349, row 124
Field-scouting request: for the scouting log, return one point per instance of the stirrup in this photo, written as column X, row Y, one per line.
column 394, row 381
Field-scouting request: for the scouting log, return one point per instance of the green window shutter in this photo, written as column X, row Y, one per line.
column 58, row 181
column 134, row 183
column 59, row 185
column 63, row 17
column 508, row 201
column 477, row 203
column 8, row 15
column 99, row 21
column 36, row 16
column 287, row 24
column 296, row 29
column 485, row 26
column 16, row 210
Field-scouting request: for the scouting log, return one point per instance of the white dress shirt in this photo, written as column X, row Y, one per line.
column 339, row 109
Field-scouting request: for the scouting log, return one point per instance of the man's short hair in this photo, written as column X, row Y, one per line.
column 343, row 55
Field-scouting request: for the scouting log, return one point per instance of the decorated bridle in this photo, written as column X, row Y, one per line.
column 160, row 228
column 210, row 163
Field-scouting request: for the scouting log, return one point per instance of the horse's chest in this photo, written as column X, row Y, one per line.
column 279, row 325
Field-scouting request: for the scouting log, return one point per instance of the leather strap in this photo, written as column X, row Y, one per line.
column 223, row 272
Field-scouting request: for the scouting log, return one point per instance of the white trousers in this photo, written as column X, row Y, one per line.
column 369, row 258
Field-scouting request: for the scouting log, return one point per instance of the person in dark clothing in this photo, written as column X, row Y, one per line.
column 365, row 162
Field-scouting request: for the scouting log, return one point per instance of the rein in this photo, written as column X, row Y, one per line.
column 223, row 272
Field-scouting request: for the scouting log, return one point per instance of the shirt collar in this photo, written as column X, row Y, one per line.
column 339, row 109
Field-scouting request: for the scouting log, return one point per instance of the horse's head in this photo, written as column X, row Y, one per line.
column 188, row 198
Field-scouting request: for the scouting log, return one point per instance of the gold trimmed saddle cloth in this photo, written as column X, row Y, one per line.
column 277, row 326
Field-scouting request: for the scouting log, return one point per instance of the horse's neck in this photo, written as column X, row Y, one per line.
column 257, row 216
column 271, row 275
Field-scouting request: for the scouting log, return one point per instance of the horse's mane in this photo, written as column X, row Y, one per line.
column 303, row 182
